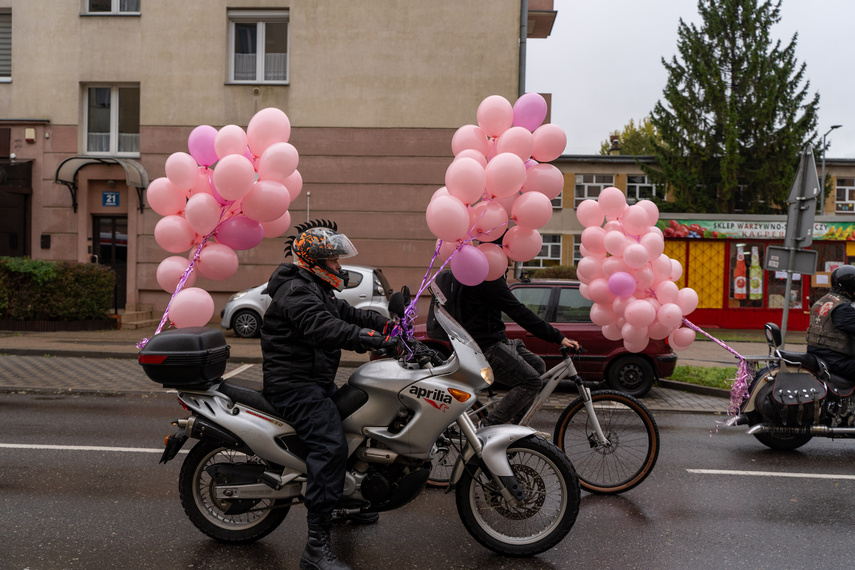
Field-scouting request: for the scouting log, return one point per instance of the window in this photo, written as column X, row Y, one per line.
column 112, row 7
column 5, row 45
column 572, row 306
column 534, row 298
column 590, row 186
column 550, row 253
column 639, row 187
column 845, row 200
column 112, row 119
column 577, row 253
column 258, row 46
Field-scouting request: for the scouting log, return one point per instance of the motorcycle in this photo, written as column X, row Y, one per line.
column 795, row 398
column 516, row 493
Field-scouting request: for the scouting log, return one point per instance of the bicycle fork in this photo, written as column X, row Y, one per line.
column 592, row 415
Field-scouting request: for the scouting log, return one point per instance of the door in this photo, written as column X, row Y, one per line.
column 110, row 248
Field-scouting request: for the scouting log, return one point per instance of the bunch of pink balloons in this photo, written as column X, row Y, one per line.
column 232, row 190
column 497, row 187
column 627, row 275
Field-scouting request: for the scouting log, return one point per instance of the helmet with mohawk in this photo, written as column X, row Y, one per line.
column 315, row 242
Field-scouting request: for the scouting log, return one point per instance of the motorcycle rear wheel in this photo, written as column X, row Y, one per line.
column 782, row 443
column 547, row 513
column 209, row 514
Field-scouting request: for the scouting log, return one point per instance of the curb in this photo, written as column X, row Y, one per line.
column 694, row 388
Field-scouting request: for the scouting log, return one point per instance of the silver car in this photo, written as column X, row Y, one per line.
column 367, row 288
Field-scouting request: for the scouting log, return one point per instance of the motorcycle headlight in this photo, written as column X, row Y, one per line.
column 487, row 375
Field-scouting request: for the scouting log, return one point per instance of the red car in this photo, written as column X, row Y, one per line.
column 560, row 303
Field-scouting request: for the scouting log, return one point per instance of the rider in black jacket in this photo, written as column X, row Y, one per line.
column 304, row 329
column 831, row 332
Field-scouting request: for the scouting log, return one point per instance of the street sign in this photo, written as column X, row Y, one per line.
column 778, row 259
column 110, row 199
column 802, row 202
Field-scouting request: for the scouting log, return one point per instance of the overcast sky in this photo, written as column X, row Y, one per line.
column 603, row 63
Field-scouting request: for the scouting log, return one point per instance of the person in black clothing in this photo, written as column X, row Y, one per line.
column 303, row 331
column 479, row 310
column 831, row 332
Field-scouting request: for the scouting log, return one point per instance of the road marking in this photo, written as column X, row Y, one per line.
column 769, row 474
column 236, row 371
column 79, row 448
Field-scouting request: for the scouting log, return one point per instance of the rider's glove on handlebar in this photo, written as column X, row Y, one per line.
column 373, row 340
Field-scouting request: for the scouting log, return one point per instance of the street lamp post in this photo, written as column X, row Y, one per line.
column 822, row 183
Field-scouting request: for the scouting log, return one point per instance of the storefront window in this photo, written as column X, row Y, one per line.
column 747, row 283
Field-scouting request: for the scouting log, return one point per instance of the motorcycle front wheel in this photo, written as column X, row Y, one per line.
column 537, row 523
column 232, row 521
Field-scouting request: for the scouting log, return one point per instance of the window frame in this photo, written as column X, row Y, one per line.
column 260, row 18
column 633, row 189
column 847, row 186
column 6, row 13
column 115, row 9
column 538, row 261
column 114, row 120
column 588, row 187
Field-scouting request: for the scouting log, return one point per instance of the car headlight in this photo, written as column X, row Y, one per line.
column 238, row 295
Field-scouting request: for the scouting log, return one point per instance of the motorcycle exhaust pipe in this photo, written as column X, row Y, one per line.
column 819, row 431
column 199, row 427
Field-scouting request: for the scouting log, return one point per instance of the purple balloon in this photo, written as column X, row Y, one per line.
column 529, row 111
column 240, row 233
column 469, row 265
column 622, row 284
column 201, row 145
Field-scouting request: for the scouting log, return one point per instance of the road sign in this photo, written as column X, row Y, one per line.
column 802, row 202
column 778, row 259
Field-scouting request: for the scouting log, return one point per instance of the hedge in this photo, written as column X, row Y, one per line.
column 33, row 289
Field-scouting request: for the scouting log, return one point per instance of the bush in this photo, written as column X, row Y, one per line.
column 555, row 272
column 32, row 289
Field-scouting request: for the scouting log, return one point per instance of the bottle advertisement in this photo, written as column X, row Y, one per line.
column 739, row 281
column 755, row 275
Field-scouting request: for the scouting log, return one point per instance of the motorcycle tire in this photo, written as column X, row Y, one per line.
column 543, row 518
column 250, row 519
column 782, row 443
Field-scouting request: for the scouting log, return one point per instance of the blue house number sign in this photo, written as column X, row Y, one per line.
column 110, row 199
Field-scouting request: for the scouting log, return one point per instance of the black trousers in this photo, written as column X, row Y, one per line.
column 311, row 412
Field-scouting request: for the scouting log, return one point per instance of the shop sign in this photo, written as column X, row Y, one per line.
column 727, row 229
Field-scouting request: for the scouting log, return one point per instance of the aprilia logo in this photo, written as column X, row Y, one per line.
column 437, row 398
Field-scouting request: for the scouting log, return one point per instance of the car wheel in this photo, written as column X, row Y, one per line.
column 632, row 375
column 247, row 324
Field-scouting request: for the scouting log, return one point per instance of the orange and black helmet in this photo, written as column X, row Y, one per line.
column 317, row 241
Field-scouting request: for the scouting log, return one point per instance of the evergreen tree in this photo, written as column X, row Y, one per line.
column 636, row 140
column 736, row 112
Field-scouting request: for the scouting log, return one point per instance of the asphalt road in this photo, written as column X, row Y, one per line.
column 81, row 488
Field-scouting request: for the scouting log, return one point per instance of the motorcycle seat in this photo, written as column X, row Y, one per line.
column 841, row 386
column 248, row 395
column 805, row 359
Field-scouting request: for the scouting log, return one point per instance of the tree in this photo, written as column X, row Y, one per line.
column 636, row 141
column 735, row 115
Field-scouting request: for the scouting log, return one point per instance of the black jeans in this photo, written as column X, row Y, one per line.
column 515, row 366
column 311, row 412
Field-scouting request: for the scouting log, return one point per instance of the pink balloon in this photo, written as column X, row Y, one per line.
column 268, row 126
column 495, row 115
column 469, row 265
column 670, row 315
column 613, row 264
column 640, row 314
column 666, row 292
column 592, row 238
column 191, row 307
column 687, row 300
column 277, row 227
column 676, row 270
column 681, row 338
column 615, row 242
column 496, row 260
column 203, row 183
column 473, row 154
column 522, row 244
column 598, row 291
column 267, row 201
column 658, row 331
column 174, row 234
column 516, row 140
column 294, row 184
column 613, row 226
column 164, row 197
column 654, row 244
column 278, row 162
column 530, row 111
column 644, row 277
column 532, row 210
column 635, row 220
column 470, row 137
column 505, row 174
column 622, row 284
column 169, row 273
column 589, row 214
column 230, row 140
column 636, row 345
column 612, row 202
column 507, row 202
column 602, row 315
column 620, row 304
column 633, row 334
column 447, row 218
column 488, row 221
column 589, row 268
column 651, row 209
column 201, row 145
column 240, row 232
column 544, row 178
column 612, row 332
column 181, row 170
column 635, row 255
column 234, row 177
column 217, row 261
column 203, row 213
column 549, row 142
column 465, row 179
column 661, row 267
column 447, row 248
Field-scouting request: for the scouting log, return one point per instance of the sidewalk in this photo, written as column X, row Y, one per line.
column 119, row 371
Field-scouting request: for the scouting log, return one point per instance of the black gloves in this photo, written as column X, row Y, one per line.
column 373, row 340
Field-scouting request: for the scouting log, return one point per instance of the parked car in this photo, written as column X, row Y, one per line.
column 367, row 288
column 560, row 303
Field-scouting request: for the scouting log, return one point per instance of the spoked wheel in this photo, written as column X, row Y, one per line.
column 447, row 449
column 537, row 523
column 233, row 521
column 632, row 444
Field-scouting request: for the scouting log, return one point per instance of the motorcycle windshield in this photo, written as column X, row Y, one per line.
column 472, row 361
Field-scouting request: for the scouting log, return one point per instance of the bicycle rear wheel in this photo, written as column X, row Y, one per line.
column 632, row 448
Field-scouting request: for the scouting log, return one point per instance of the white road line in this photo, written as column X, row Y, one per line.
column 236, row 371
column 769, row 474
column 79, row 448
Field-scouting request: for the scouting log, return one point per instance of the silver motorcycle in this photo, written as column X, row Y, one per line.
column 516, row 493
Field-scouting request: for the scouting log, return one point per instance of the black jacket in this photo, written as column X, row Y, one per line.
column 305, row 328
column 479, row 310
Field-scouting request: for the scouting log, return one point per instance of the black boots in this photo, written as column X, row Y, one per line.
column 318, row 554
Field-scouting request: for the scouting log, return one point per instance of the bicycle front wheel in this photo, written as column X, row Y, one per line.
column 631, row 448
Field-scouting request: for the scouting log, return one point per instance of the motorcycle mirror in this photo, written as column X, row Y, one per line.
column 408, row 298
column 397, row 306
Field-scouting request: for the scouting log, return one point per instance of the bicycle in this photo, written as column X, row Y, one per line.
column 610, row 437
